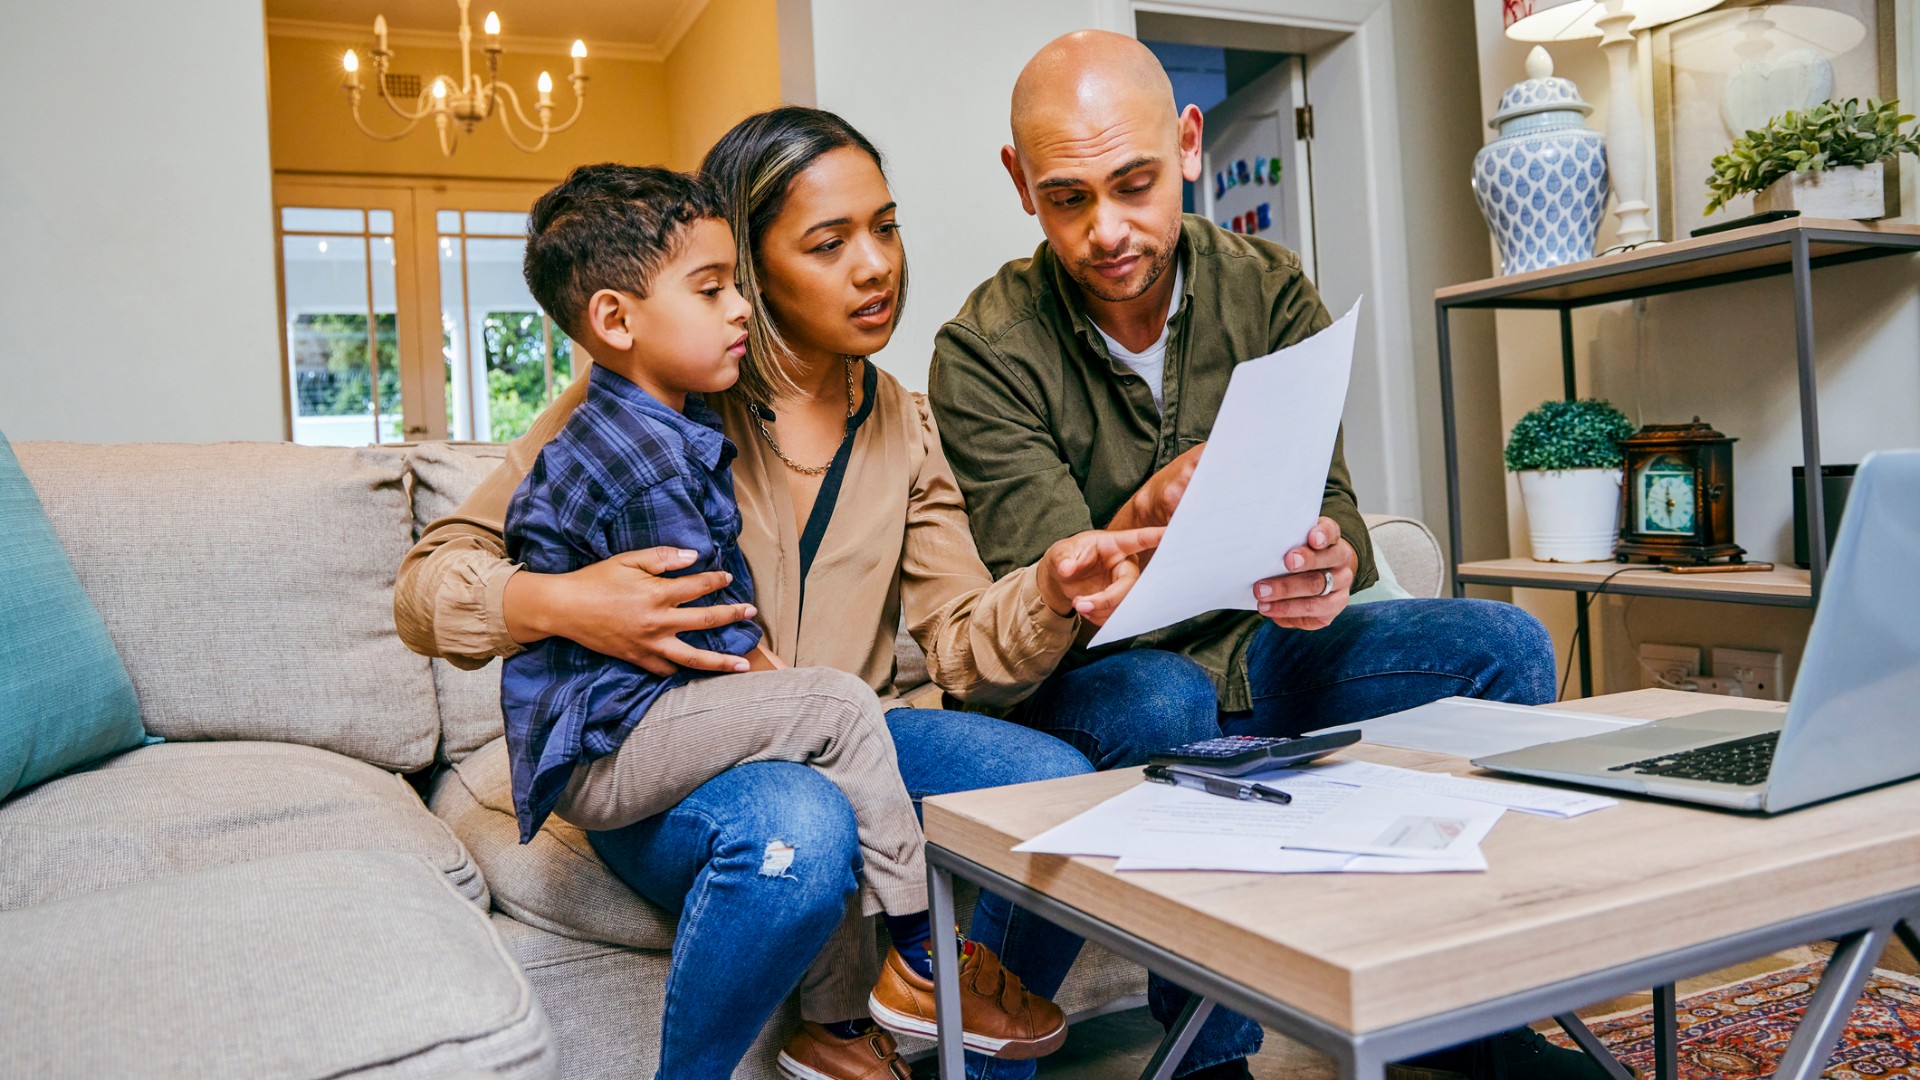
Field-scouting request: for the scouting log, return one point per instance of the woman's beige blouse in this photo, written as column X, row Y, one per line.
column 898, row 542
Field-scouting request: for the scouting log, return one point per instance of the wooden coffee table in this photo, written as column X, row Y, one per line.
column 1377, row 968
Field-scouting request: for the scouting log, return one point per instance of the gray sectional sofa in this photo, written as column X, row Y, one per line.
column 316, row 873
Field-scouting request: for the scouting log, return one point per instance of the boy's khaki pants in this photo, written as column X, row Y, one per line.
column 819, row 717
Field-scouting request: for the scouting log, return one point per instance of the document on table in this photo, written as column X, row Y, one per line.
column 1471, row 728
column 1317, row 862
column 1527, row 798
column 1257, row 490
column 1156, row 823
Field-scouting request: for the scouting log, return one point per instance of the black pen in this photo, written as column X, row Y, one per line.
column 1225, row 787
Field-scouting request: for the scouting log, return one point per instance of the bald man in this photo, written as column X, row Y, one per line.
column 1078, row 387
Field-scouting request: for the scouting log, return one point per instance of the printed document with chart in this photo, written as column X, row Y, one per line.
column 1257, row 490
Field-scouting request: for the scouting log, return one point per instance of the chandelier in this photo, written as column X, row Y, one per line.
column 470, row 101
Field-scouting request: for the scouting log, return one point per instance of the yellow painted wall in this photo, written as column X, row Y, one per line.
column 626, row 118
column 726, row 68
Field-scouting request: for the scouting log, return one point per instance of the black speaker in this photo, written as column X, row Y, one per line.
column 1835, row 482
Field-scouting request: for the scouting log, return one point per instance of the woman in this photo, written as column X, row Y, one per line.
column 850, row 518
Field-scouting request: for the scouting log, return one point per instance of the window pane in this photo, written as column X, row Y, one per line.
column 490, row 222
column 453, row 335
column 387, row 337
column 310, row 219
column 380, row 222
column 333, row 376
column 448, row 221
column 509, row 341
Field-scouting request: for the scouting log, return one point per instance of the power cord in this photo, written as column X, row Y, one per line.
column 1626, row 623
column 1573, row 644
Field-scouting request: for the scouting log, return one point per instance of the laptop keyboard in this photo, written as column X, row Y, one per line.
column 1741, row 761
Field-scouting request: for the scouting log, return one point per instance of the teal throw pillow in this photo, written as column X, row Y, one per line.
column 65, row 698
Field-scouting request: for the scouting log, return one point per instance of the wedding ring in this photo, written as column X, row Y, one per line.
column 1329, row 587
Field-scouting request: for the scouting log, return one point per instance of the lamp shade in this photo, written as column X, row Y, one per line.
column 1569, row 20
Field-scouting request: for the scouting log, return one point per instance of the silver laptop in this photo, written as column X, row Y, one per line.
column 1854, row 721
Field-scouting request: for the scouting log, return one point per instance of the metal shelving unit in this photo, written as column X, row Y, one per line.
column 1796, row 247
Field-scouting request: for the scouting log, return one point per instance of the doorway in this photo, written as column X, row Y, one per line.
column 1257, row 172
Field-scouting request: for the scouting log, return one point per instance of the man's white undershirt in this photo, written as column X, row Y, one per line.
column 1150, row 363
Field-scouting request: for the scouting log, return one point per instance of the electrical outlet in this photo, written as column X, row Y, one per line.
column 1707, row 684
column 1668, row 665
column 1759, row 673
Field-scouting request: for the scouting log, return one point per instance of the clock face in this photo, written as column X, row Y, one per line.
column 1664, row 497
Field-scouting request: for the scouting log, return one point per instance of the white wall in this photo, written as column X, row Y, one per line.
column 930, row 84
column 138, row 289
column 1726, row 354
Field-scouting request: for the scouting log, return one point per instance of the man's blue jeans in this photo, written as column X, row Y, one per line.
column 1374, row 659
column 747, row 931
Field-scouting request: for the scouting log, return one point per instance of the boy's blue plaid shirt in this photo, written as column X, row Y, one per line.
column 626, row 473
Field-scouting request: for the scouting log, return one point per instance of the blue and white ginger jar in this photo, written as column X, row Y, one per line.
column 1543, row 183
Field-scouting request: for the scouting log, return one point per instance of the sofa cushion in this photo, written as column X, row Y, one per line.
column 249, row 588
column 444, row 474
column 311, row 965
column 65, row 698
column 178, row 808
column 1411, row 551
column 557, row 882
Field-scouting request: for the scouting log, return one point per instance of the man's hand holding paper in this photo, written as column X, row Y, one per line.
column 1245, row 515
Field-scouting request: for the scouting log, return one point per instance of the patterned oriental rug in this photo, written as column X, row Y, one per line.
column 1740, row 1031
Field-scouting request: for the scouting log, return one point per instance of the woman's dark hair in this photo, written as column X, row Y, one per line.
column 753, row 168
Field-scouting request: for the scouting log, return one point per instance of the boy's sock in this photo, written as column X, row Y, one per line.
column 849, row 1029
column 910, row 934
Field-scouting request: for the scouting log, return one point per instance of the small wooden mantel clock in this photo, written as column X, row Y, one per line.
column 1677, row 501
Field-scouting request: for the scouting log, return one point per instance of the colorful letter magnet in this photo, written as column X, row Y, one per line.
column 1265, row 219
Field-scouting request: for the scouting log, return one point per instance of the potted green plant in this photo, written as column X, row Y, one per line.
column 1568, row 458
column 1824, row 162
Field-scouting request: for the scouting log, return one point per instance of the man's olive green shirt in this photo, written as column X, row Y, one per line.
column 1050, row 436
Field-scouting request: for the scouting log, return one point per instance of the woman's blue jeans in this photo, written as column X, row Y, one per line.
column 1374, row 659
column 749, row 927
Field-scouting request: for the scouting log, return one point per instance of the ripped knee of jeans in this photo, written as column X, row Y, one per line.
column 777, row 860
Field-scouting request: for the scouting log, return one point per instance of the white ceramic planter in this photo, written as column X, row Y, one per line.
column 1854, row 192
column 1572, row 516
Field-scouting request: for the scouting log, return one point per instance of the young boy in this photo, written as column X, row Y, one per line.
column 637, row 265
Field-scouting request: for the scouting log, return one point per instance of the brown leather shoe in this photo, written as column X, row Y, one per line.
column 814, row 1053
column 1000, row 1019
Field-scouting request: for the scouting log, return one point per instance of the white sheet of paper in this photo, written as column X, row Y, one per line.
column 1402, row 824
column 1321, row 862
column 1471, row 728
column 1159, row 823
column 1526, row 798
column 1162, row 821
column 1257, row 490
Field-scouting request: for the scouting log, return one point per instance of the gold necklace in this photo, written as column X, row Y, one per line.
column 760, row 421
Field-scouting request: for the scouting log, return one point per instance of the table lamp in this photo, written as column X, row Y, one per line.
column 1613, row 22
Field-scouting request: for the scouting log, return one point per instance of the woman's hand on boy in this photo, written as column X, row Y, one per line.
column 624, row 607
column 1089, row 573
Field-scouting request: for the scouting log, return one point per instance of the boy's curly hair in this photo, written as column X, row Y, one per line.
column 609, row 226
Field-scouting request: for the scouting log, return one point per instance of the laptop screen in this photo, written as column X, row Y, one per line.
column 1855, row 716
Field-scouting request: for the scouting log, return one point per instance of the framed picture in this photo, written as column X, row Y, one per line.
column 1718, row 75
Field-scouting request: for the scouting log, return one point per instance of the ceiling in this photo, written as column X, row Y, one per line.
column 622, row 29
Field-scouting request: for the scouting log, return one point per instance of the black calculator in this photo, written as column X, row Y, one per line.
column 1233, row 755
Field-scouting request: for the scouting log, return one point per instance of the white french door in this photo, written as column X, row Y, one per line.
column 404, row 312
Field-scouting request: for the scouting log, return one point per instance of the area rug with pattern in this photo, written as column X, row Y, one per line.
column 1740, row 1031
